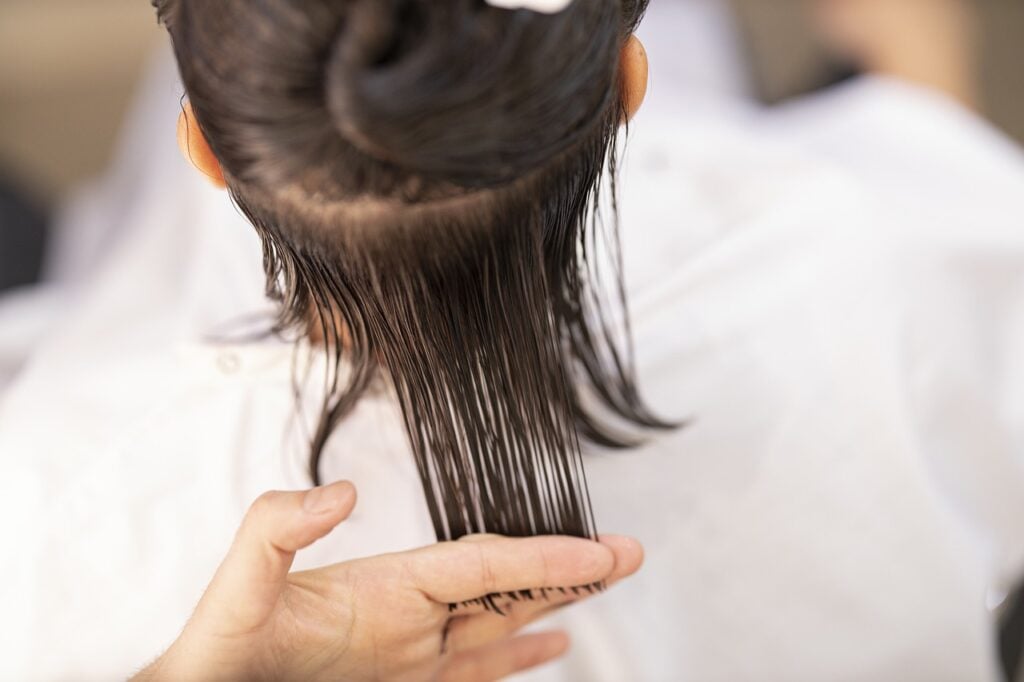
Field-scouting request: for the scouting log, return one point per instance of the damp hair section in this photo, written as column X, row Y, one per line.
column 434, row 185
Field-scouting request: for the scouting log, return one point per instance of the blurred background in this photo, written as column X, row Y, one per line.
column 67, row 72
column 68, row 69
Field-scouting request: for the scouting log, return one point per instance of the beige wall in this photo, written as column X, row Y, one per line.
column 67, row 71
column 1003, row 62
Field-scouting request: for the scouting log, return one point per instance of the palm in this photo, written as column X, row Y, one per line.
column 335, row 611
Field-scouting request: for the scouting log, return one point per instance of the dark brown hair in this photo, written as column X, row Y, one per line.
column 427, row 178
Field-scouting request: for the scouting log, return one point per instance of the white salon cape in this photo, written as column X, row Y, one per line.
column 833, row 294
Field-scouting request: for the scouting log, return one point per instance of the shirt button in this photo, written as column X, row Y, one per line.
column 228, row 363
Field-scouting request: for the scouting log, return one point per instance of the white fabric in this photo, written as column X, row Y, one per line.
column 836, row 299
column 26, row 314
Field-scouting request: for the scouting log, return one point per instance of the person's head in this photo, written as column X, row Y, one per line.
column 425, row 176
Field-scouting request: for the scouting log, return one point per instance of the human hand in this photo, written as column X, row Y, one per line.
column 385, row 617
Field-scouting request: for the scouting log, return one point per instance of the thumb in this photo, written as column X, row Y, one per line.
column 249, row 582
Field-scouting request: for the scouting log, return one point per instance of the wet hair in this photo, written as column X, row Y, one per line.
column 433, row 182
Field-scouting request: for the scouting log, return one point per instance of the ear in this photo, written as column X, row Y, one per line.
column 633, row 67
column 196, row 149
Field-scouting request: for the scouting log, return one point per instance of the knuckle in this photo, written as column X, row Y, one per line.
column 408, row 571
column 488, row 579
column 545, row 568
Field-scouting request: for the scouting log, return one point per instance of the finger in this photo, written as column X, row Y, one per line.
column 504, row 658
column 628, row 553
column 452, row 572
column 628, row 556
column 467, row 632
column 470, row 631
column 277, row 525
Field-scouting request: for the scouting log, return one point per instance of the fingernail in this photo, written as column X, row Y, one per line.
column 319, row 501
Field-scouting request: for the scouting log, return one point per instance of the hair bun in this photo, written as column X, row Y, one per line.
column 466, row 92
